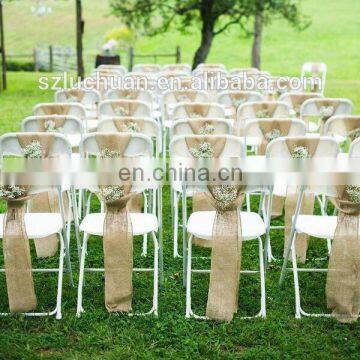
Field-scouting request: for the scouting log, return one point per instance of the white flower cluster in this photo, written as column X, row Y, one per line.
column 353, row 193
column 195, row 115
column 50, row 126
column 205, row 150
column 326, row 111
column 120, row 111
column 225, row 195
column 11, row 192
column 300, row 152
column 110, row 154
column 131, row 126
column 207, row 129
column 354, row 134
column 33, row 150
column 262, row 114
column 112, row 193
column 273, row 134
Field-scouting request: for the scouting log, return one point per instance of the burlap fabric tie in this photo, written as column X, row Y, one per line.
column 45, row 202
column 127, row 94
column 16, row 248
column 237, row 98
column 185, row 95
column 326, row 109
column 272, row 130
column 298, row 99
column 343, row 278
column 222, row 300
column 346, row 126
column 56, row 109
column 118, row 238
column 124, row 108
column 51, row 123
column 200, row 200
column 197, row 110
column 308, row 201
column 74, row 95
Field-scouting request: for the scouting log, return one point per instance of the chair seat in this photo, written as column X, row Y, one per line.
column 317, row 226
column 38, row 225
column 141, row 223
column 200, row 224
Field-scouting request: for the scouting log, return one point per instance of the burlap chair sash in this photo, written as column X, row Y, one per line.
column 307, row 206
column 129, row 125
column 118, row 238
column 264, row 110
column 197, row 110
column 201, row 126
column 223, row 292
column 298, row 99
column 76, row 95
column 348, row 126
column 56, row 109
column 343, row 279
column 51, row 124
column 125, row 108
column 185, row 95
column 127, row 94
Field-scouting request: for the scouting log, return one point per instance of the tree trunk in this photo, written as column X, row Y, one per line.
column 256, row 49
column 79, row 38
column 2, row 47
column 207, row 32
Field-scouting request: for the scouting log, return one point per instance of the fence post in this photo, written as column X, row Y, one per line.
column 36, row 67
column 51, row 59
column 178, row 55
column 131, row 58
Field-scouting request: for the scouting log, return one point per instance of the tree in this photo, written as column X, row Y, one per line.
column 214, row 16
column 79, row 38
column 264, row 11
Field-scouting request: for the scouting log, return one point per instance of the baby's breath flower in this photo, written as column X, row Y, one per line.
column 120, row 111
column 354, row 134
column 326, row 111
column 50, row 126
column 273, row 134
column 207, row 129
column 110, row 154
column 300, row 152
column 225, row 195
column 195, row 114
column 11, row 192
column 131, row 126
column 262, row 114
column 33, row 150
column 205, row 150
column 112, row 193
column 353, row 193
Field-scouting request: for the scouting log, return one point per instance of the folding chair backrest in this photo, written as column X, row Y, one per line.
column 71, row 109
column 71, row 125
column 355, row 148
column 341, row 125
column 312, row 107
column 213, row 110
column 141, row 95
column 312, row 69
column 182, row 127
column 118, row 68
column 90, row 98
column 257, row 109
column 252, row 128
column 186, row 68
column 327, row 148
column 136, row 108
column 146, row 68
column 208, row 66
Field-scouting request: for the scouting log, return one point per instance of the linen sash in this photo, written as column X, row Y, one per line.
column 56, row 109
column 266, row 127
column 223, row 292
column 185, row 95
column 75, row 95
column 200, row 200
column 197, row 110
column 56, row 123
column 308, row 201
column 346, row 127
column 118, row 238
column 127, row 94
column 343, row 278
column 16, row 248
column 264, row 110
column 45, row 202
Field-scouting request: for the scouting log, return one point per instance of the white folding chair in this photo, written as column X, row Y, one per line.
column 41, row 225
column 227, row 99
column 146, row 68
column 200, row 223
column 318, row 226
column 184, row 68
column 90, row 99
column 312, row 109
column 137, row 108
column 337, row 127
column 118, row 68
column 312, row 70
column 296, row 99
column 247, row 112
column 93, row 223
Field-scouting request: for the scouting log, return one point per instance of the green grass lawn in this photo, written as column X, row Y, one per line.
column 334, row 39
